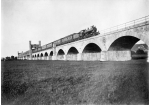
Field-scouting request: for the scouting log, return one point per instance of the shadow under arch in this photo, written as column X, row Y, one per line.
column 60, row 52
column 41, row 55
column 123, row 43
column 46, row 54
column 91, row 48
column 51, row 53
column 72, row 50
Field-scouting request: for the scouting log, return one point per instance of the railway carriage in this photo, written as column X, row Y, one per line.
column 44, row 47
column 75, row 36
column 49, row 45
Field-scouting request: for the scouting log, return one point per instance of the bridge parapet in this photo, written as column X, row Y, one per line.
column 127, row 25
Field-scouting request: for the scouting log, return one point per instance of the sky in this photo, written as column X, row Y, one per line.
column 48, row 20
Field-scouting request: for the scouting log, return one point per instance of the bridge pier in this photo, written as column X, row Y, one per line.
column 61, row 57
column 53, row 57
column 103, row 56
column 72, row 57
column 42, row 58
column 29, row 58
column 91, row 56
column 39, row 58
column 115, row 55
column 79, row 56
column 64, row 57
column 118, row 55
column 45, row 58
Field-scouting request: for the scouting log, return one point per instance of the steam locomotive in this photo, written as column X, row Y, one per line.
column 86, row 33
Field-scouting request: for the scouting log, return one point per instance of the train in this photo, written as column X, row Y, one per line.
column 86, row 33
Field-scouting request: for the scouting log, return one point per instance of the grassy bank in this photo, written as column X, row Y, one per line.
column 70, row 82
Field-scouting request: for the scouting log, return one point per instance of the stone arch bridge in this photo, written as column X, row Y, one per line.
column 113, row 44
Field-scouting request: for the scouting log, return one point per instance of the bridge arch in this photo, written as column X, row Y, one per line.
column 96, row 41
column 34, row 57
column 72, row 50
column 72, row 53
column 61, row 55
column 123, row 43
column 91, row 48
column 46, row 54
column 134, row 37
column 38, row 55
column 60, row 52
column 51, row 53
column 120, row 44
column 91, row 52
column 41, row 55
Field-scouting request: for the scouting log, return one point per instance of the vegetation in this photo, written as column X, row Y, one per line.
column 139, row 54
column 74, row 82
column 12, row 58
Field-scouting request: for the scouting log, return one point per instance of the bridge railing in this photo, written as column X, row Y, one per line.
column 125, row 25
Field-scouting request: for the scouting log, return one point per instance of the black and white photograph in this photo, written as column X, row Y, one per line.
column 74, row 52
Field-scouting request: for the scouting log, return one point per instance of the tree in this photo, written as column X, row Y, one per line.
column 2, row 59
column 12, row 57
column 15, row 58
column 140, row 51
column 7, row 58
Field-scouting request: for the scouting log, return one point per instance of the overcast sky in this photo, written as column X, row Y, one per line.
column 49, row 20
